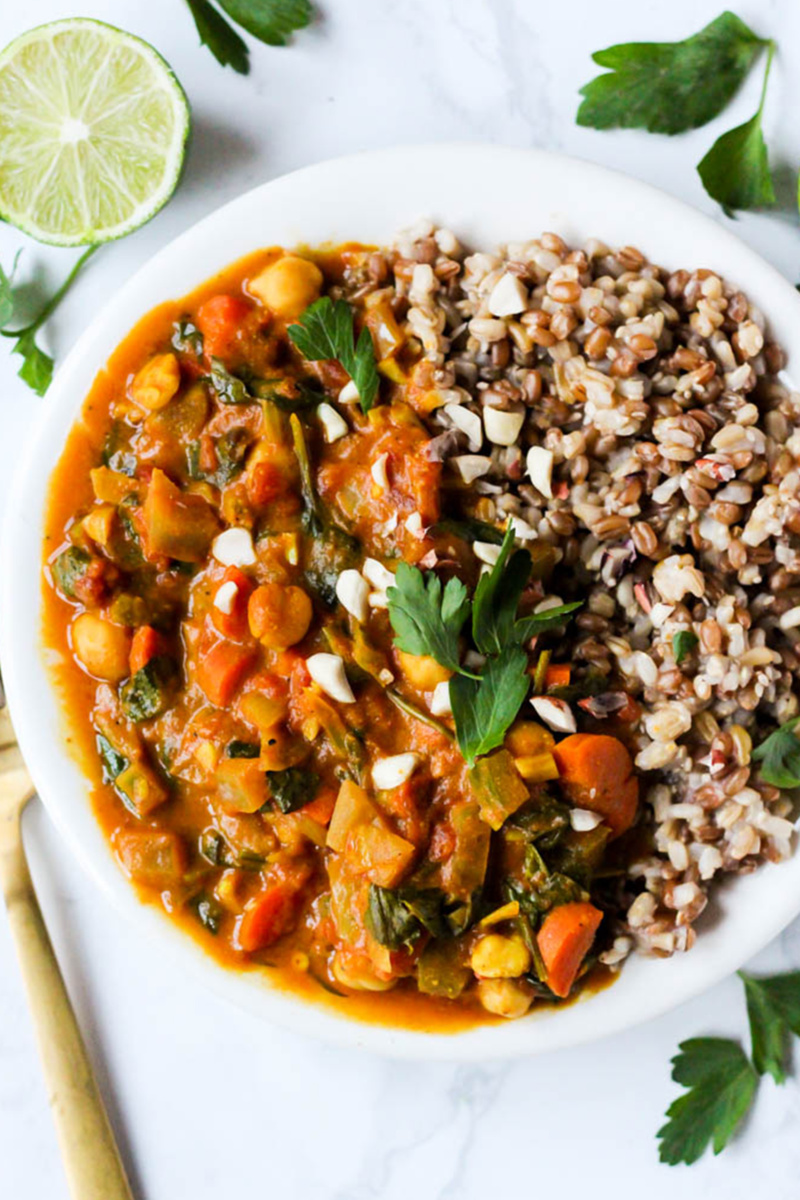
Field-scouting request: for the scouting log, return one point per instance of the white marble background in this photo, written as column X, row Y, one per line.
column 208, row 1102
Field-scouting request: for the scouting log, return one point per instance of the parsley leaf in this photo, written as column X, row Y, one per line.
column 497, row 597
column 780, row 756
column 37, row 368
column 773, row 1009
column 735, row 171
column 484, row 708
column 669, row 87
column 326, row 330
column 425, row 618
column 721, row 1082
column 224, row 42
column 540, row 622
column 683, row 643
column 271, row 21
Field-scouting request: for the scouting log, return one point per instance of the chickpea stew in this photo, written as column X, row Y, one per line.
column 341, row 701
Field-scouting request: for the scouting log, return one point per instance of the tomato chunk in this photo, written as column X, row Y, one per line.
column 221, row 671
column 219, row 320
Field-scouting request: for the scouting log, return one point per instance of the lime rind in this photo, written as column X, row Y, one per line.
column 93, row 132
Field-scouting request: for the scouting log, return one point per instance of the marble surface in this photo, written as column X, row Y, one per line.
column 208, row 1102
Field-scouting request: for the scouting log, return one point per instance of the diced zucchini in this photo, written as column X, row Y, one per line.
column 70, row 567
column 113, row 486
column 498, row 787
column 441, row 970
column 353, row 807
column 382, row 856
column 179, row 524
column 464, row 872
column 141, row 788
column 150, row 858
column 242, row 784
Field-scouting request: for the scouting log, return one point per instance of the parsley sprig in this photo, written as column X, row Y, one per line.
column 721, row 1080
column 428, row 619
column 271, row 21
column 779, row 755
column 326, row 330
column 671, row 87
column 37, row 367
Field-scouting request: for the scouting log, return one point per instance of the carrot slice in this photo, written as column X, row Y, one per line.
column 220, row 672
column 233, row 624
column 564, row 940
column 218, row 319
column 596, row 772
column 557, row 675
column 145, row 645
column 266, row 917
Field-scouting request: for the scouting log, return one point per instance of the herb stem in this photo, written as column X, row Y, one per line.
column 770, row 55
column 54, row 301
column 469, row 674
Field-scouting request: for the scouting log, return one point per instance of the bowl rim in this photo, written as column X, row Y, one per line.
column 567, row 189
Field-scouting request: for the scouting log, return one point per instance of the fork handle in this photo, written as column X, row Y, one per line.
column 91, row 1159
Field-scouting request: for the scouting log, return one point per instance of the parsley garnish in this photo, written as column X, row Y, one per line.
column 325, row 330
column 721, row 1079
column 779, row 755
column 670, row 87
column 721, row 1082
column 427, row 619
column 683, row 643
column 773, row 1009
column 37, row 367
column 271, row 21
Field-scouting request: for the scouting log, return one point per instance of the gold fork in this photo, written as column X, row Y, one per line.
column 91, row 1158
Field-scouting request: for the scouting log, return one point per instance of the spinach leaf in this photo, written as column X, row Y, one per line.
column 187, row 338
column 229, row 387
column 208, row 912
column 145, row 694
column 291, row 788
column 239, row 749
column 69, row 568
column 779, row 755
column 113, row 762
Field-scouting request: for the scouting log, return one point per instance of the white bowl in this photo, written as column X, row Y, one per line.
column 487, row 195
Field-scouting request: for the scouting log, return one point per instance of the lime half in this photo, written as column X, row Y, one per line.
column 93, row 129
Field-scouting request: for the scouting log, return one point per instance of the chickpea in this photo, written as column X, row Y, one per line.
column 527, row 738
column 422, row 671
column 288, row 286
column 505, row 997
column 157, row 382
column 498, row 957
column 356, row 972
column 101, row 647
column 279, row 615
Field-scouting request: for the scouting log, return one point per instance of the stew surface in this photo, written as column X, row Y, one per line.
column 270, row 592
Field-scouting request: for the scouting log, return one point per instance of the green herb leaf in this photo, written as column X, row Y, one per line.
column 669, row 87
column 240, row 749
column 425, row 618
column 208, row 912
column 497, row 596
column 722, row 1084
column 483, row 709
column 271, row 21
column 527, row 627
column 113, row 762
column 187, row 338
column 145, row 694
column 229, row 388
column 735, row 171
column 773, row 1009
column 69, row 568
column 223, row 41
column 37, row 369
column 779, row 755
column 326, row 330
column 470, row 530
column 683, row 643
column 388, row 919
column 292, row 788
